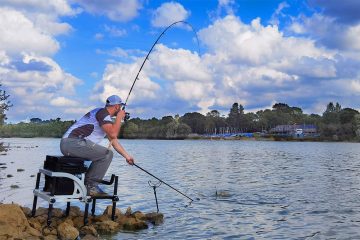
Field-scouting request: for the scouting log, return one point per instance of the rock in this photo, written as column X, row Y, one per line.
column 57, row 212
column 69, row 221
column 132, row 224
column 155, row 218
column 78, row 222
column 49, row 231
column 121, row 219
column 107, row 226
column 50, row 237
column 139, row 215
column 108, row 211
column 89, row 230
column 33, row 238
column 34, row 232
column 41, row 211
column 67, row 231
column 41, row 219
column 13, row 223
column 75, row 212
column 35, row 224
column 26, row 211
column 101, row 218
column 89, row 237
column 128, row 211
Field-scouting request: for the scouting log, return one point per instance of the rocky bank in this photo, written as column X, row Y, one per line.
column 16, row 223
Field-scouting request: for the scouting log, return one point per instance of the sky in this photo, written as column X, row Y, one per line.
column 62, row 58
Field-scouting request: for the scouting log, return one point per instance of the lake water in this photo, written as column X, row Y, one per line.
column 270, row 190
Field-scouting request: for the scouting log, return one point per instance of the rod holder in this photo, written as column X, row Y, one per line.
column 154, row 186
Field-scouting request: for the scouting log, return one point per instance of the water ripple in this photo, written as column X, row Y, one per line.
column 266, row 190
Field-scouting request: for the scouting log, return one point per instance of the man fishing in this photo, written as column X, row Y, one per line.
column 82, row 138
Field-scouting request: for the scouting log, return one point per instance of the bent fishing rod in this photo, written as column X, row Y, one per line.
column 150, row 51
column 127, row 116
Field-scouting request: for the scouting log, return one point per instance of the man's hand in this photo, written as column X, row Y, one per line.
column 121, row 114
column 130, row 160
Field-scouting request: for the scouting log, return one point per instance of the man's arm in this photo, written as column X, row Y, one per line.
column 112, row 132
column 117, row 146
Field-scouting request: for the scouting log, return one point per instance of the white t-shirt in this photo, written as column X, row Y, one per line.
column 89, row 126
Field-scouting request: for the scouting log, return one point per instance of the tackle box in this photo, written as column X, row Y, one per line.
column 72, row 165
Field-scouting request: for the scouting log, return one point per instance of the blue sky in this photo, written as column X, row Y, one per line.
column 63, row 58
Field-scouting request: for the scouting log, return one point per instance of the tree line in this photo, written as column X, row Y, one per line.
column 335, row 124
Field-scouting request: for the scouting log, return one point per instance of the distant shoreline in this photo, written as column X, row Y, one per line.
column 264, row 139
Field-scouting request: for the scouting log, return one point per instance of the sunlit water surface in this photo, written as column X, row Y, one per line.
column 269, row 190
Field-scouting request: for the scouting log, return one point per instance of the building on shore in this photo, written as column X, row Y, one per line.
column 295, row 130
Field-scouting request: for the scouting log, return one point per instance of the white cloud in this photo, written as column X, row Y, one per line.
column 327, row 31
column 278, row 13
column 117, row 10
column 57, row 7
column 352, row 36
column 36, row 83
column 355, row 86
column 19, row 34
column 118, row 78
column 254, row 43
column 50, row 80
column 224, row 6
column 168, row 13
column 99, row 36
column 253, row 64
column 49, row 24
column 4, row 59
column 63, row 102
column 44, row 14
column 177, row 65
column 114, row 31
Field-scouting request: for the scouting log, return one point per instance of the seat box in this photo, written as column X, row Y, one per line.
column 72, row 165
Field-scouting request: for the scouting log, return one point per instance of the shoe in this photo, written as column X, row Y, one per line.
column 96, row 191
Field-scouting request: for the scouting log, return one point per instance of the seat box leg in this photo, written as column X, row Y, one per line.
column 49, row 215
column 93, row 207
column 67, row 209
column 35, row 197
column 86, row 214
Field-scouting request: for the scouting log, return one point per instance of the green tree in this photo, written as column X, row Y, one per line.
column 131, row 130
column 357, row 126
column 196, row 121
column 234, row 116
column 347, row 115
column 331, row 114
column 5, row 104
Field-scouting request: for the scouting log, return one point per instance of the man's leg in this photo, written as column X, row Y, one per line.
column 99, row 156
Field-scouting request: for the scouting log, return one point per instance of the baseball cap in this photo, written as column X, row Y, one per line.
column 113, row 100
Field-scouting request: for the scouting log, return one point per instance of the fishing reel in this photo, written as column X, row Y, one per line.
column 127, row 116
